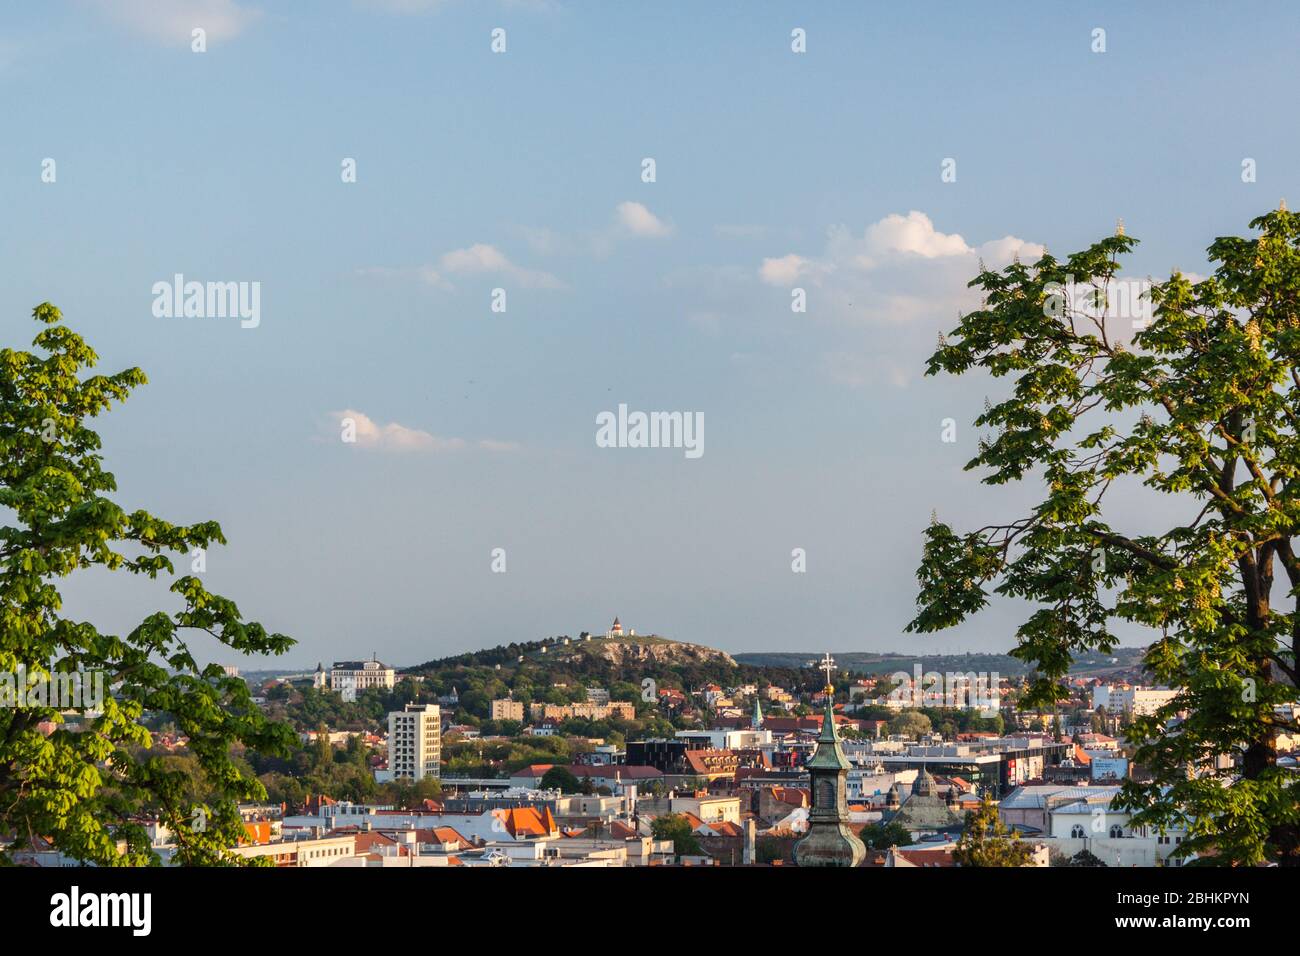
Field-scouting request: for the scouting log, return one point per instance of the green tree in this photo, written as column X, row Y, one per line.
column 881, row 836
column 911, row 724
column 562, row 779
column 83, row 785
column 1085, row 858
column 675, row 827
column 322, row 750
column 1099, row 720
column 1199, row 408
column 986, row 841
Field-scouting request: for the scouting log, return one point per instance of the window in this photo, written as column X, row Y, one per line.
column 826, row 793
column 1076, row 832
column 1116, row 832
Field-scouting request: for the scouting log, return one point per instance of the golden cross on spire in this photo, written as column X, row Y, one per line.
column 827, row 664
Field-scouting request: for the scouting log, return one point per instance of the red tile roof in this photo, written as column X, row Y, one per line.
column 368, row 842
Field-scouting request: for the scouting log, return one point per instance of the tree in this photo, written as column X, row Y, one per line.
column 1085, row 858
column 910, row 724
column 562, row 779
column 1200, row 410
column 1099, row 720
column 84, row 784
column 881, row 836
column 675, row 827
column 986, row 841
column 322, row 750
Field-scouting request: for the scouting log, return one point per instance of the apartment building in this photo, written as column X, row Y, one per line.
column 414, row 743
column 506, row 709
column 1141, row 701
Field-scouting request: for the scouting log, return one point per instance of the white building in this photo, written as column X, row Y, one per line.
column 414, row 743
column 1141, row 701
column 318, row 851
column 728, row 739
column 1073, row 818
column 1105, row 832
column 348, row 678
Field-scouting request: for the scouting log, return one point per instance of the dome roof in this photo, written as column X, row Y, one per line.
column 924, row 785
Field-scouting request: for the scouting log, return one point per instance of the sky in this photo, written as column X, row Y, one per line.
column 523, row 170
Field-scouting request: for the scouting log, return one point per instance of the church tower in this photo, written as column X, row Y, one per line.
column 829, row 841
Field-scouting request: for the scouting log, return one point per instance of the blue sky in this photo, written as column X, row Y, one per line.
column 522, row 171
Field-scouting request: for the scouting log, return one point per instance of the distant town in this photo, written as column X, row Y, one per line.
column 612, row 749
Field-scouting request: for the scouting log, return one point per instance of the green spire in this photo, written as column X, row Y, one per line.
column 830, row 841
column 830, row 754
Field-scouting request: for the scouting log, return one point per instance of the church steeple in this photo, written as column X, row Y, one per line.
column 829, row 840
column 757, row 722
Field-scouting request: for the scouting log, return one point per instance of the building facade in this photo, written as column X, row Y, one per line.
column 349, row 678
column 505, row 709
column 415, row 742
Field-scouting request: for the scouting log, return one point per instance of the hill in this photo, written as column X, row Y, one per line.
column 626, row 651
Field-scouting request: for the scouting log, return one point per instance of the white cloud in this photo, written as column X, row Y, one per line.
column 876, row 297
column 171, row 22
column 632, row 220
column 391, row 437
column 999, row 253
column 635, row 219
column 900, row 269
column 483, row 259
column 395, row 437
column 913, row 233
column 784, row 271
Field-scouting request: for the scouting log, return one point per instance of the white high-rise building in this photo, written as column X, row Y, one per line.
column 414, row 742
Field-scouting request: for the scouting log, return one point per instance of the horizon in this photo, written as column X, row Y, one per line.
column 306, row 668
